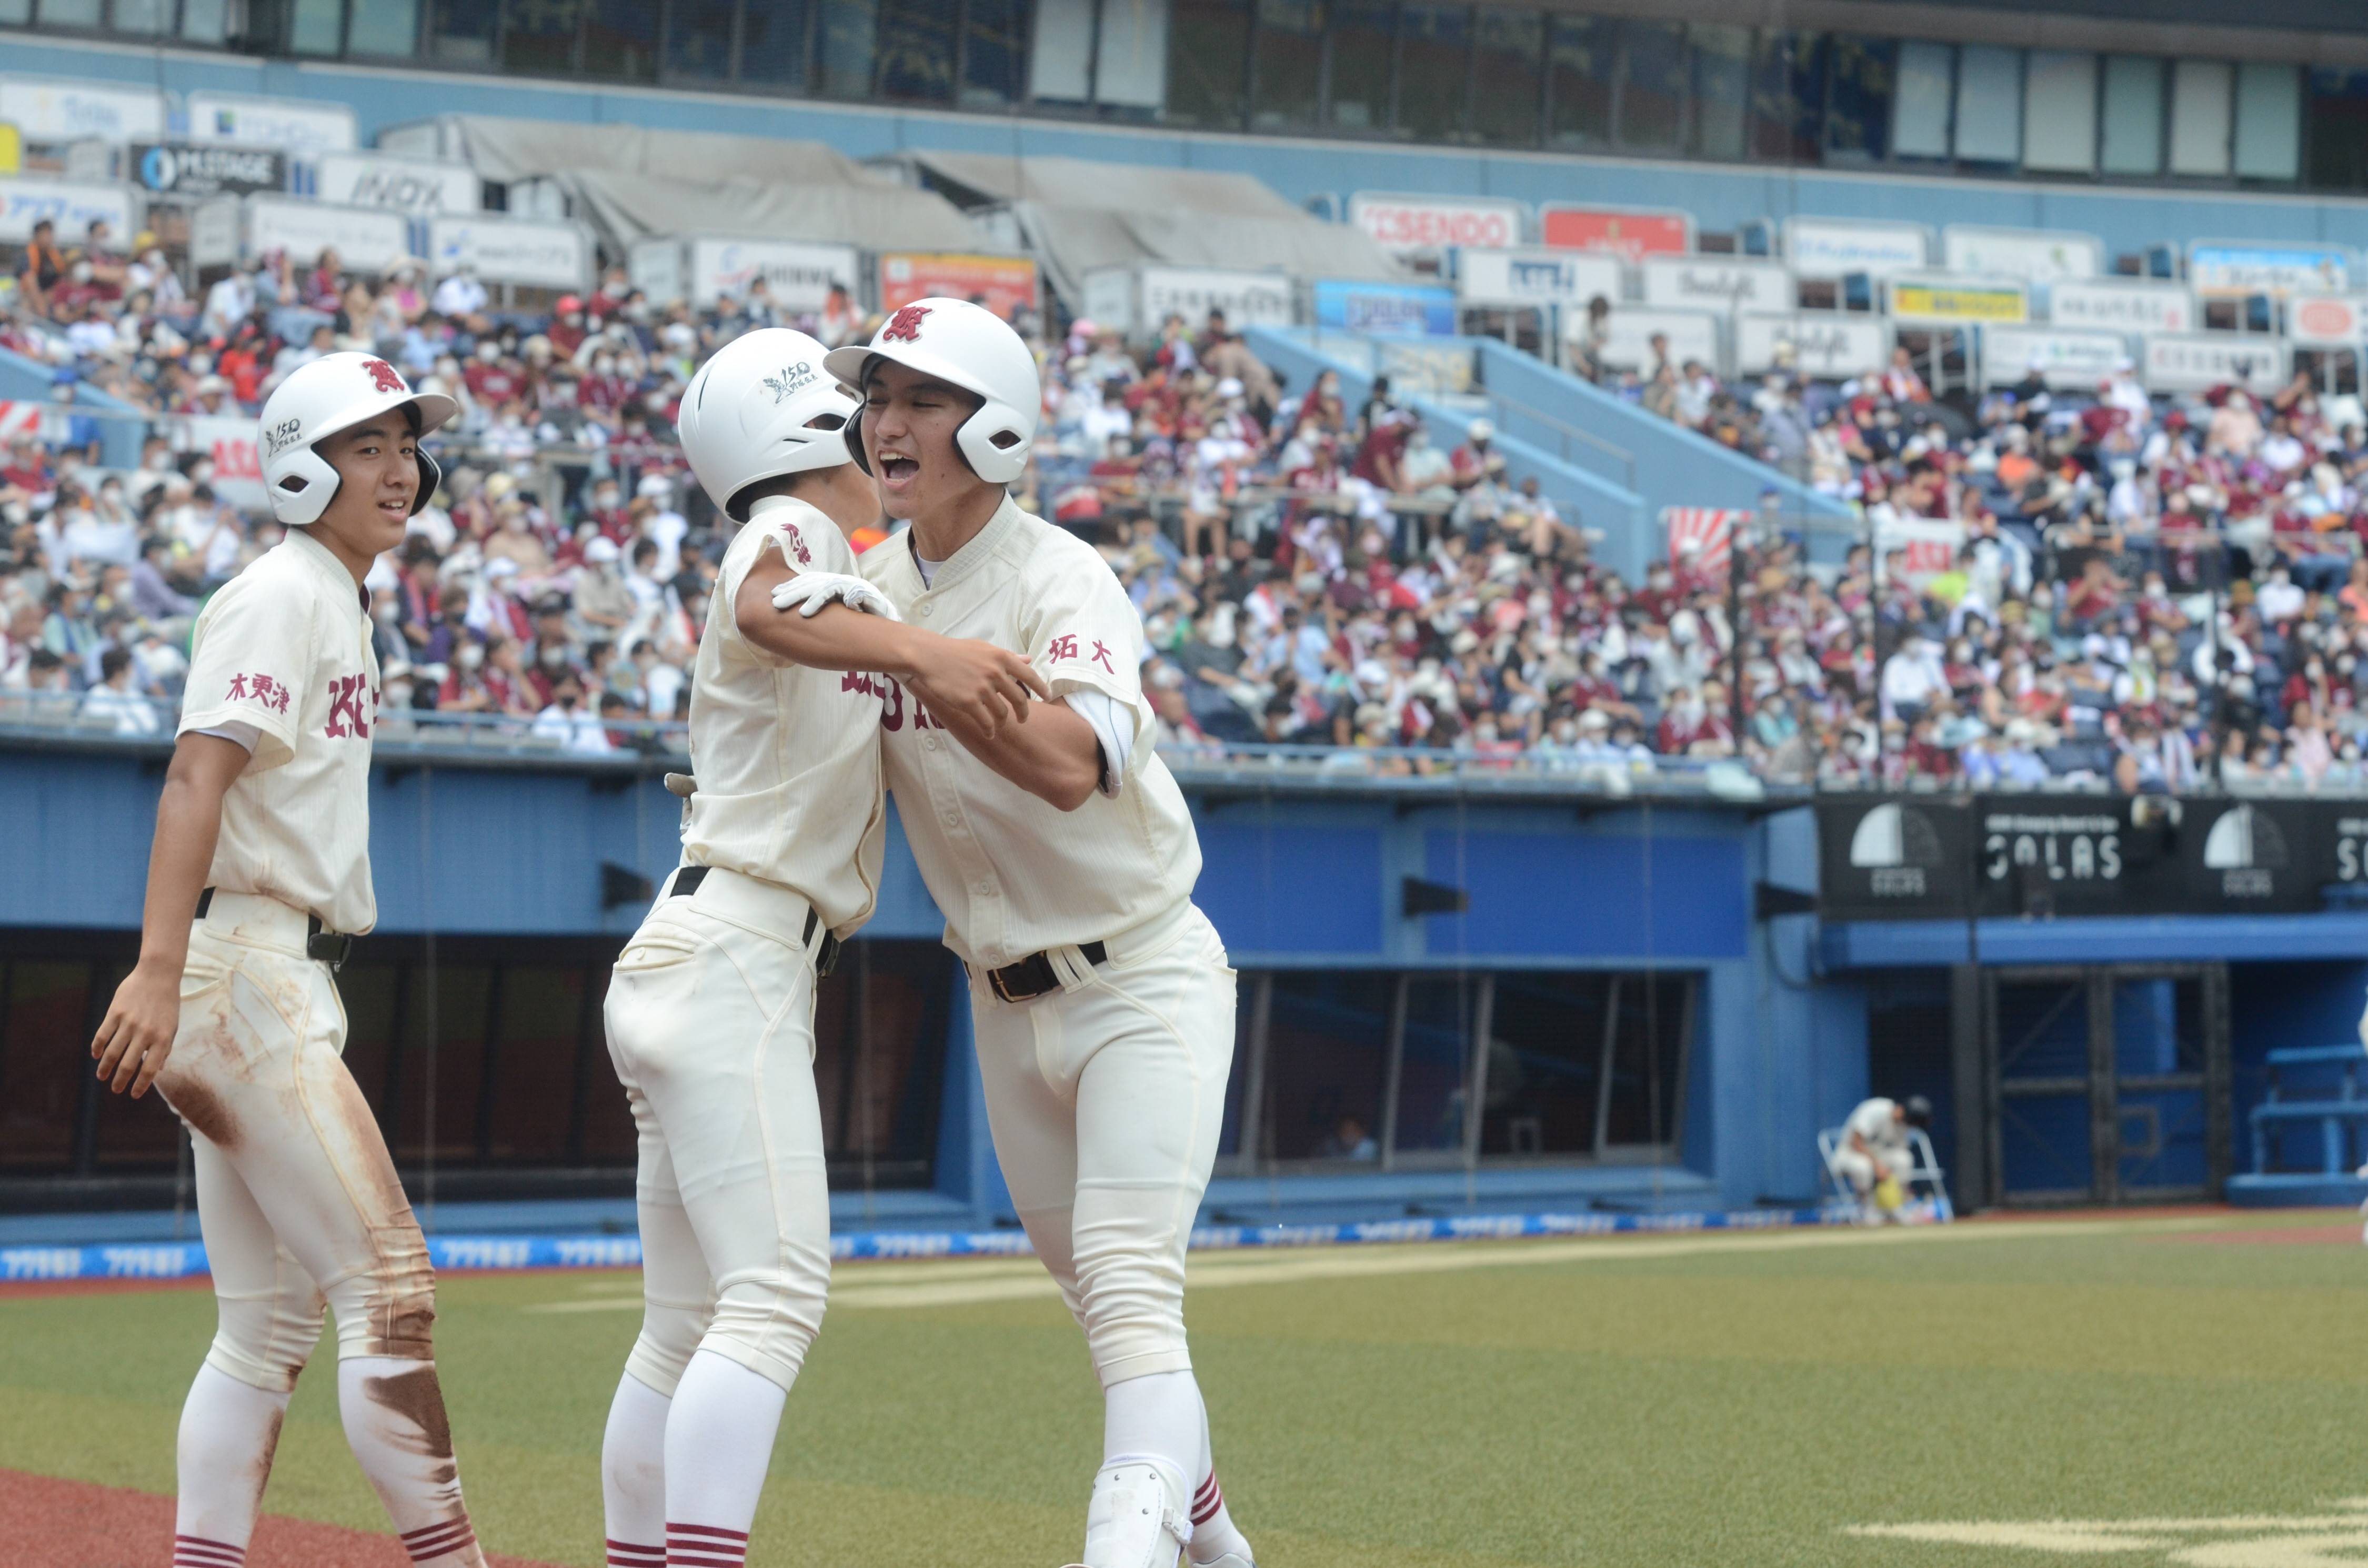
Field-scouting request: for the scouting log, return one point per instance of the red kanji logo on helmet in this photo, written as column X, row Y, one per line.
column 382, row 376
column 905, row 326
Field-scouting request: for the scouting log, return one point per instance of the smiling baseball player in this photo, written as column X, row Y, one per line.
column 711, row 1010
column 264, row 832
column 1062, row 856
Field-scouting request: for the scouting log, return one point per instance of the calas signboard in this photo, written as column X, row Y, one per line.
column 1831, row 346
column 1729, row 285
column 2123, row 304
column 1627, row 233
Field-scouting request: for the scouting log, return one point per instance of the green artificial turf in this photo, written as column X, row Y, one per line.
column 1712, row 1400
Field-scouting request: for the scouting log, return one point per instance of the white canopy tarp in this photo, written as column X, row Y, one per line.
column 630, row 181
column 1080, row 216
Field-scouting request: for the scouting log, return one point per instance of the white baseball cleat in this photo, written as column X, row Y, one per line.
column 1138, row 1518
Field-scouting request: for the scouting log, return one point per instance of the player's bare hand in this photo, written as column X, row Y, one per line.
column 137, row 1034
column 977, row 681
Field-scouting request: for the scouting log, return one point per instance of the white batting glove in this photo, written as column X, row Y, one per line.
column 809, row 591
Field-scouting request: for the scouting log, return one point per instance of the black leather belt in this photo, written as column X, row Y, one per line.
column 1033, row 976
column 331, row 948
column 826, row 957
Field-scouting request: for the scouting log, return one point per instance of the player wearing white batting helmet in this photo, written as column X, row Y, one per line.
column 710, row 1011
column 259, row 877
column 1062, row 856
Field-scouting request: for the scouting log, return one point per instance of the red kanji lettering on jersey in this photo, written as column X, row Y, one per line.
column 905, row 326
column 237, row 692
column 382, row 376
column 346, row 715
column 1102, row 658
column 797, row 544
column 1063, row 647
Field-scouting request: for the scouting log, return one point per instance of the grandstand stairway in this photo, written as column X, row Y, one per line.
column 1604, row 461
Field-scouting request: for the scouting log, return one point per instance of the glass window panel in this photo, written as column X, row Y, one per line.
column 540, row 35
column 1653, row 85
column 1363, row 34
column 2133, row 139
column 607, row 1136
column 464, row 30
column 1545, row 1056
column 1435, row 1066
column 70, row 13
column 1061, row 64
column 2199, row 94
column 620, row 40
column 1289, row 73
column 1788, row 102
column 2339, row 129
column 2059, row 111
column 15, row 13
column 917, row 49
column 313, row 25
column 2268, row 121
column 1229, row 1132
column 879, row 1027
column 145, row 18
column 1990, row 103
column 132, row 1135
column 1434, row 70
column 699, row 39
column 994, row 49
column 47, row 1024
column 1207, row 63
column 534, row 1059
column 1506, row 57
column 846, row 48
column 773, row 44
column 1721, row 88
column 1130, row 53
column 384, row 26
column 1646, row 1056
column 1919, row 110
column 445, row 1043
column 1858, row 117
column 1327, row 1036
column 202, row 21
column 368, row 992
column 1582, row 64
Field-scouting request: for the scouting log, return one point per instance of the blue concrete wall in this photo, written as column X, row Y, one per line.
column 1719, row 196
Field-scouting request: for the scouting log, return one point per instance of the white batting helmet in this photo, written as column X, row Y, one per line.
column 968, row 346
column 336, row 392
column 761, row 408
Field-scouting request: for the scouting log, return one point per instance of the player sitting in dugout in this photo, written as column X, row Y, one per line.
column 1874, row 1158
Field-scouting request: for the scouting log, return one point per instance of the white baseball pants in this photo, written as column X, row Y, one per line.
column 1106, row 1099
column 297, row 1196
column 711, row 1026
column 1862, row 1171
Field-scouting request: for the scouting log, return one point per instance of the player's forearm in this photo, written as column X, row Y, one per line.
column 833, row 638
column 1053, row 756
column 188, row 823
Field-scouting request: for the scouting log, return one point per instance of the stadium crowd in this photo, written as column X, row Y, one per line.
column 2127, row 593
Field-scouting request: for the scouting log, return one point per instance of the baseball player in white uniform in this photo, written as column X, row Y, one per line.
column 711, row 1010
column 262, row 832
column 1062, row 856
column 1874, row 1151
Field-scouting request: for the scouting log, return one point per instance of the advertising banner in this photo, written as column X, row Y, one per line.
column 511, row 250
column 365, row 239
column 1925, row 548
column 2035, row 256
column 1421, row 224
column 656, row 267
column 1535, row 277
column 2065, row 359
column 213, row 233
column 2124, row 305
column 178, row 171
column 798, row 276
column 402, row 185
column 2327, row 321
column 46, row 111
column 72, row 207
column 1003, row 283
column 1628, row 232
column 238, row 469
column 291, row 126
column 2047, row 857
column 1729, row 285
column 1692, row 334
column 1831, row 247
column 1152, row 294
column 1959, row 302
column 2200, row 361
column 1830, row 345
column 2239, row 266
column 1399, row 309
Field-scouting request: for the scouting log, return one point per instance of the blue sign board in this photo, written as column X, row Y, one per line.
column 1394, row 310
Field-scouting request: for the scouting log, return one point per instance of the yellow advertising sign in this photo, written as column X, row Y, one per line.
column 2000, row 304
column 12, row 149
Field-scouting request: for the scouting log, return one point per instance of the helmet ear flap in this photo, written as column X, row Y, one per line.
column 431, row 478
column 853, row 431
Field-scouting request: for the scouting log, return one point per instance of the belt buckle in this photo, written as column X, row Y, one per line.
column 827, row 956
column 332, row 947
column 996, row 982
